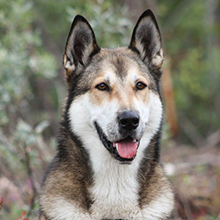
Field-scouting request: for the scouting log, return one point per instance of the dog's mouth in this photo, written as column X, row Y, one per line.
column 124, row 150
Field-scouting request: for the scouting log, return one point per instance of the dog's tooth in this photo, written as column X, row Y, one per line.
column 116, row 146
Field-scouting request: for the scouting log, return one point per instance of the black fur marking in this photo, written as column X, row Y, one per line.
column 64, row 155
column 119, row 65
column 148, row 165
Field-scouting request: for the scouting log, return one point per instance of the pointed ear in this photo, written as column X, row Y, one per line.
column 146, row 40
column 80, row 46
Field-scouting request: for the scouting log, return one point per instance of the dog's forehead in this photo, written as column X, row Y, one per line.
column 114, row 64
column 122, row 63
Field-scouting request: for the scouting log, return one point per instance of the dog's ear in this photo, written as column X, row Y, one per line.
column 146, row 40
column 80, row 46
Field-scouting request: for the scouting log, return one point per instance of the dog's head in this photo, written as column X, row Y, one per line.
column 114, row 101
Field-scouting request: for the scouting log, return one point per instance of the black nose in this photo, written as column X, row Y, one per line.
column 128, row 120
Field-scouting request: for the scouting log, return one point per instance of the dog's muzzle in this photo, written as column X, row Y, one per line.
column 126, row 148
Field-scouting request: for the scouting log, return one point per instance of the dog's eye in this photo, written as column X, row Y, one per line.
column 140, row 86
column 102, row 87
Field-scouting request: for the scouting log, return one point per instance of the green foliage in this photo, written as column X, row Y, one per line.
column 191, row 46
column 194, row 96
column 23, row 61
column 112, row 28
column 32, row 40
column 21, row 57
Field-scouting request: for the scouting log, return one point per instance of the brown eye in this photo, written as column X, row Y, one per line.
column 140, row 86
column 102, row 87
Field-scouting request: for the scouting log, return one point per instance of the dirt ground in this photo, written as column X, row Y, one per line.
column 195, row 175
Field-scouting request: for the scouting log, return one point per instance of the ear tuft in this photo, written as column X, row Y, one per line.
column 146, row 40
column 80, row 46
column 157, row 60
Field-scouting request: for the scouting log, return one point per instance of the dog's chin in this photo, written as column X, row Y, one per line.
column 124, row 150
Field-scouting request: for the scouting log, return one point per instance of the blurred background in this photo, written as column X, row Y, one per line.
column 32, row 90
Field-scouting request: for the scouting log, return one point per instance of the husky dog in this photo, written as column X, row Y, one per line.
column 107, row 164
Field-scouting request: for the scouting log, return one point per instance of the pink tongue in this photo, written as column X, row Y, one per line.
column 127, row 149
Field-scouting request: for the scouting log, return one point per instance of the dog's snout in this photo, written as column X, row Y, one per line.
column 128, row 120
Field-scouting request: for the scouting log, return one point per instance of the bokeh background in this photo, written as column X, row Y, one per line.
column 32, row 90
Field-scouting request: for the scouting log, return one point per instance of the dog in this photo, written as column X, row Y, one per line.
column 107, row 164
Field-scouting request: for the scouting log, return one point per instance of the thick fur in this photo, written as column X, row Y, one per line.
column 86, row 180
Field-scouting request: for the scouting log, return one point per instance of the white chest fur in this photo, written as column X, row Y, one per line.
column 115, row 190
